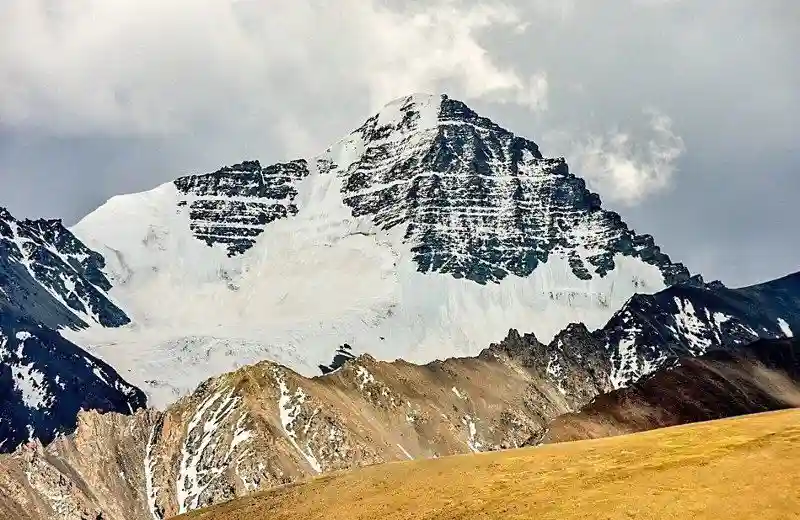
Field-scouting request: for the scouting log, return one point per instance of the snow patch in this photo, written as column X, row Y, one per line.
column 689, row 326
column 405, row 452
column 30, row 383
column 472, row 441
column 555, row 371
column 240, row 435
column 459, row 394
column 197, row 470
column 288, row 413
column 716, row 320
column 627, row 365
column 787, row 331
column 364, row 378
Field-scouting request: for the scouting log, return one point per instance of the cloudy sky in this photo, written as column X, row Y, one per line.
column 684, row 115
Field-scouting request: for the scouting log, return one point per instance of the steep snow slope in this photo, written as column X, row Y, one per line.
column 426, row 233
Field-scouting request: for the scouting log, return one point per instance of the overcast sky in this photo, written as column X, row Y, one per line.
column 683, row 114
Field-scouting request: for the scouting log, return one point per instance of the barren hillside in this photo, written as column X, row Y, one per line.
column 743, row 468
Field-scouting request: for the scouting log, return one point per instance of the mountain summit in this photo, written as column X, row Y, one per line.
column 427, row 232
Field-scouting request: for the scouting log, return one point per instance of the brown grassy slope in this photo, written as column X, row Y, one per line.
column 741, row 468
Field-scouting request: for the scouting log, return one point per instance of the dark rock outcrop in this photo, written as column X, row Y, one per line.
column 478, row 201
column 50, row 280
column 45, row 381
column 652, row 331
column 233, row 205
column 482, row 203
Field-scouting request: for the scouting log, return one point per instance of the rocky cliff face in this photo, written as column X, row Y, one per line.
column 233, row 205
column 479, row 202
column 265, row 425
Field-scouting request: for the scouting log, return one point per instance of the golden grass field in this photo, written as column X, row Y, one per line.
column 741, row 468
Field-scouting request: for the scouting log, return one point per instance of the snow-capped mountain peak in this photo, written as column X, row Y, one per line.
column 480, row 202
column 429, row 231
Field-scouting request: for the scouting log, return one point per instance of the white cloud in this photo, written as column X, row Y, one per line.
column 154, row 67
column 628, row 169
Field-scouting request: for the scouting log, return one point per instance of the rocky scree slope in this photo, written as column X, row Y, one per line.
column 265, row 425
column 759, row 377
column 426, row 233
column 50, row 280
column 738, row 469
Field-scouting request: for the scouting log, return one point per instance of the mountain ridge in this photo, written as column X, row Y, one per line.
column 426, row 233
column 52, row 277
column 760, row 377
column 266, row 425
column 50, row 280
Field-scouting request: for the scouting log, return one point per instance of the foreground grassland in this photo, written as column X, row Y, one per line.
column 742, row 468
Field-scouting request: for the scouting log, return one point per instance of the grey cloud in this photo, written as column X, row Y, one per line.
column 98, row 98
column 150, row 68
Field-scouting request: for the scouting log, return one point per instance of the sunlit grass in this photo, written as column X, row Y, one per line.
column 731, row 469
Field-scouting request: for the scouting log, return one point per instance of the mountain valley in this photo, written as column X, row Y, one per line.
column 256, row 326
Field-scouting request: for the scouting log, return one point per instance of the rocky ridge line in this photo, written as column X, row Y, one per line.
column 264, row 426
column 478, row 202
column 50, row 277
